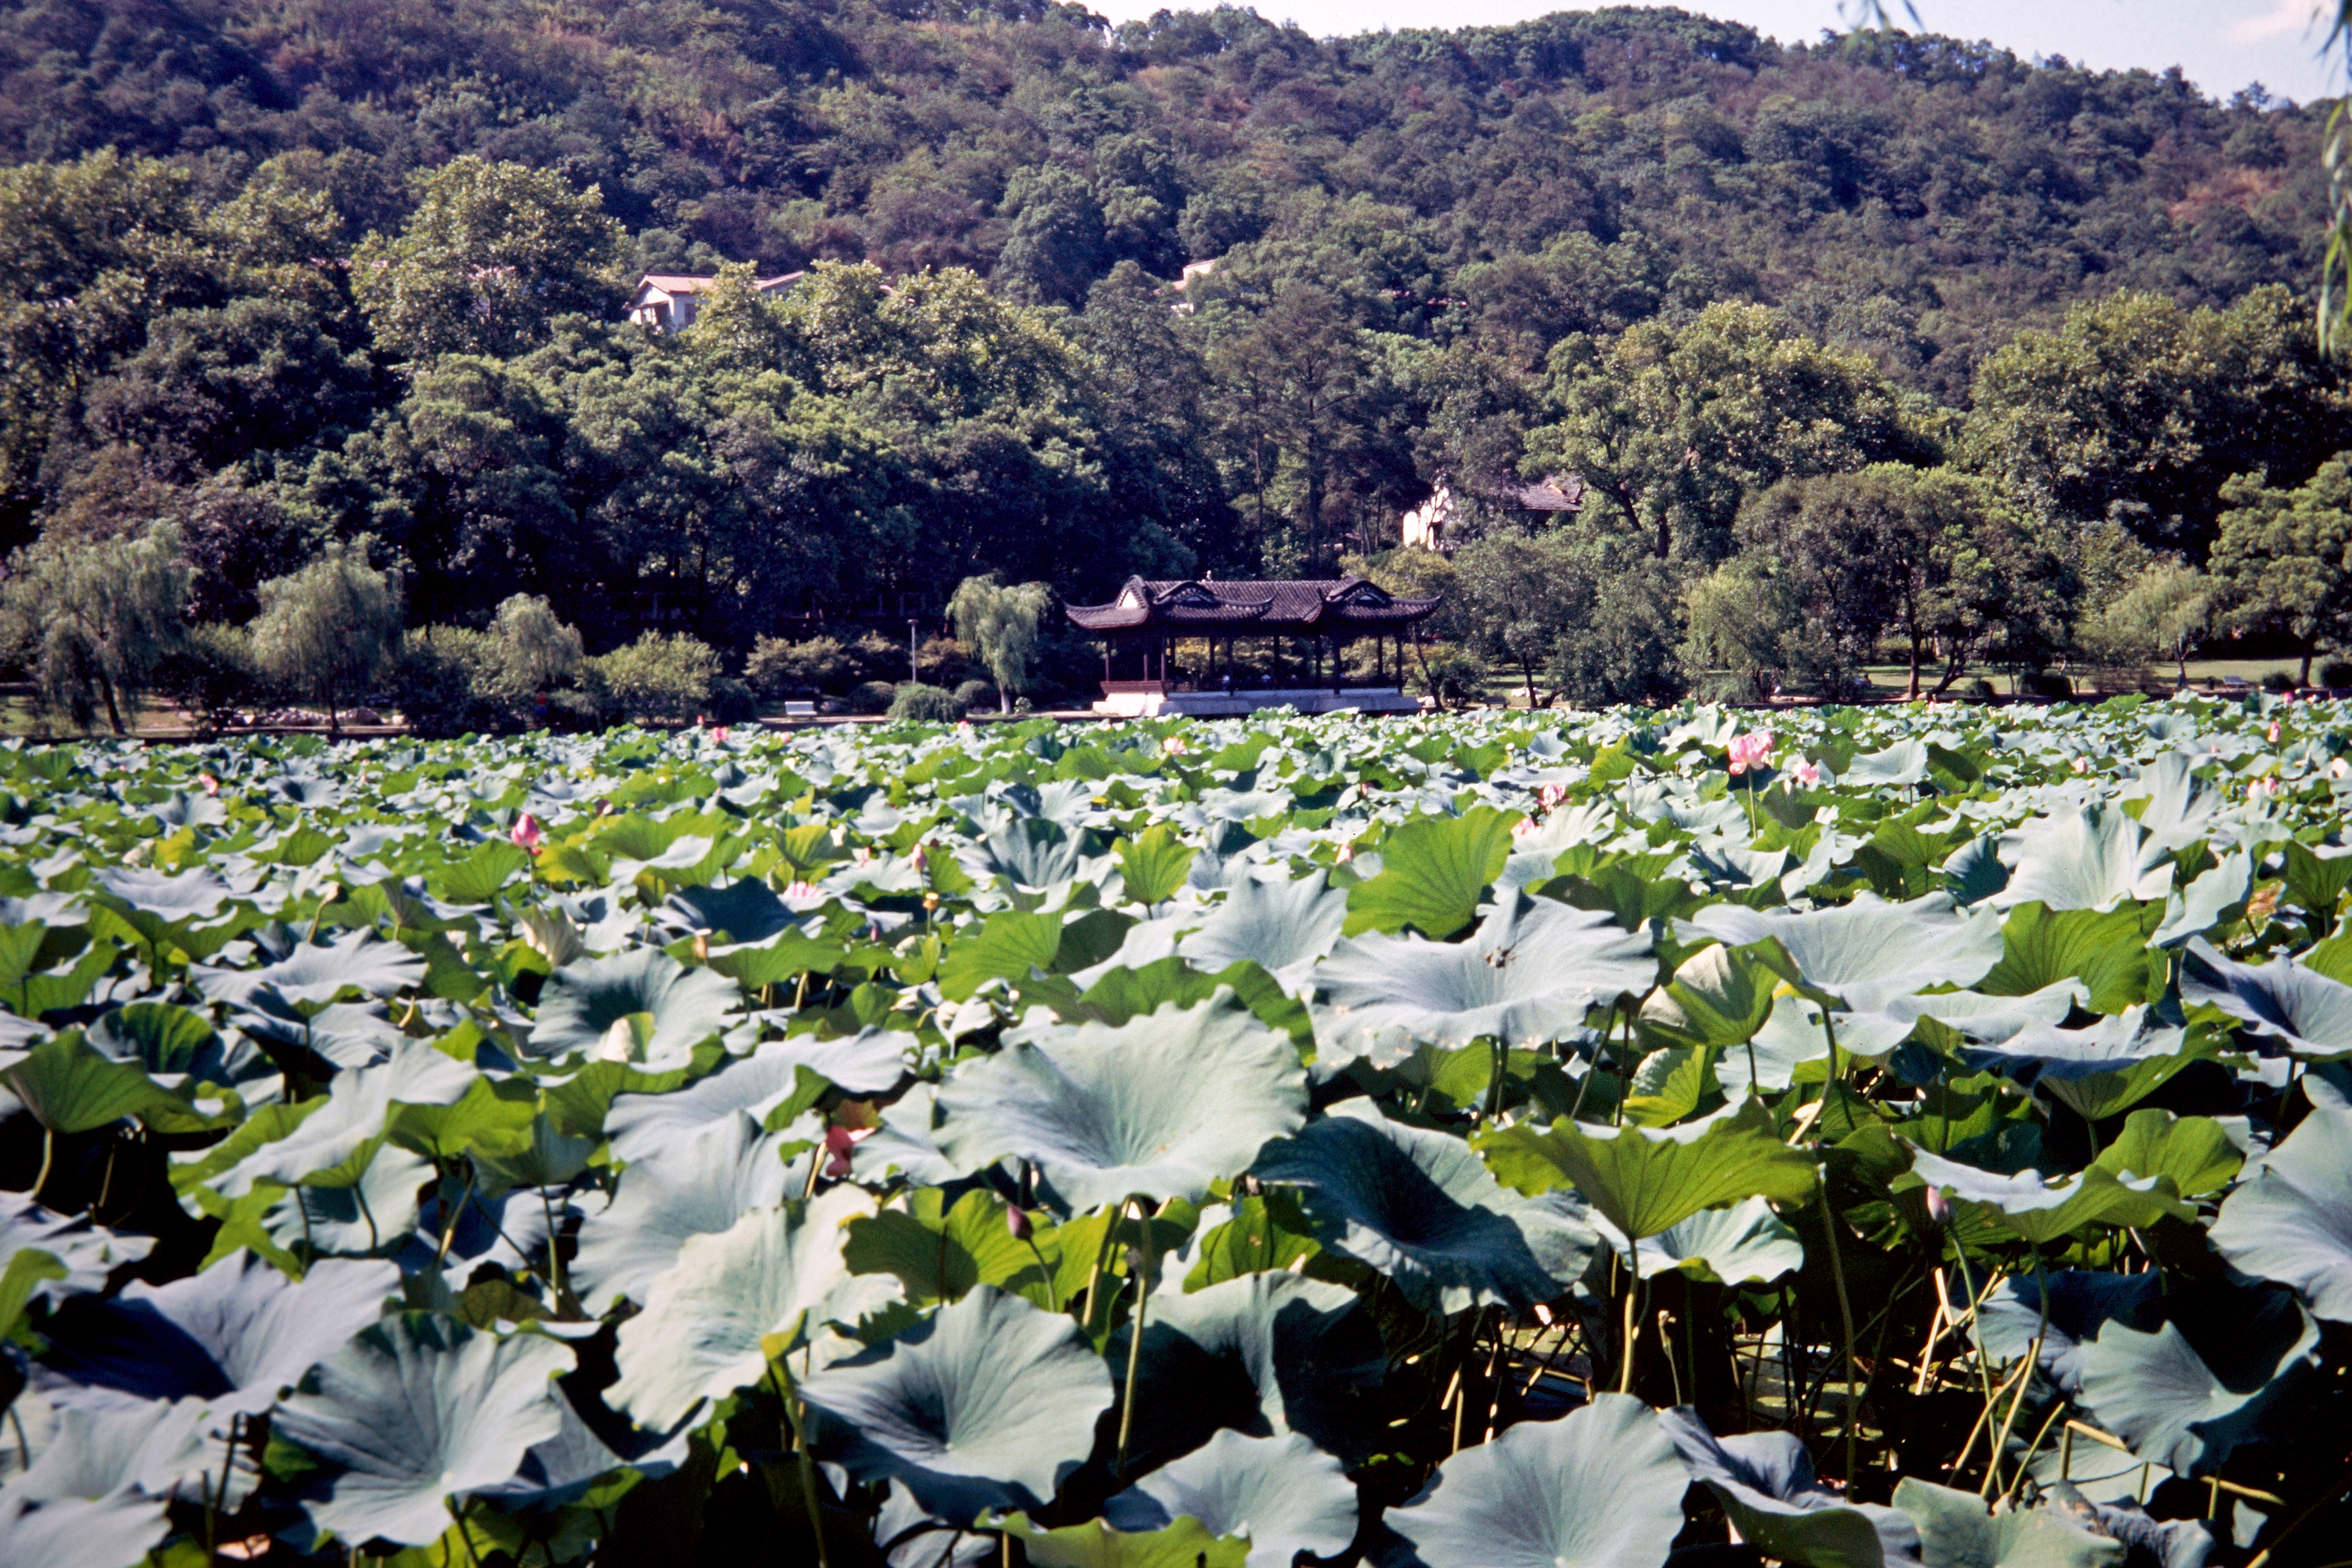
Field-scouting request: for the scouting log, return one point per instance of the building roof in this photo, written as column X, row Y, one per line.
column 694, row 283
column 1293, row 607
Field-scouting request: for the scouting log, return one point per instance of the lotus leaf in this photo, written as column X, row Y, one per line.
column 736, row 1299
column 88, row 1252
column 1531, row 975
column 641, row 1007
column 1959, row 1530
column 1283, row 927
column 414, row 1411
column 1743, row 1242
column 1282, row 1494
column 1868, row 952
column 870, row 1062
column 234, row 1335
column 1601, row 1488
column 1764, row 1481
column 987, row 1403
column 2308, row 1011
column 1644, row 1182
column 1159, row 1107
column 1421, row 1207
column 2290, row 1219
column 2089, row 859
column 2187, row 1404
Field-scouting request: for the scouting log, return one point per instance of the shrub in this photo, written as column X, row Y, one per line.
column 442, row 680
column 2335, row 674
column 2278, row 680
column 780, row 668
column 210, row 674
column 732, row 702
column 1976, row 685
column 1452, row 675
column 926, row 704
column 976, row 694
column 657, row 677
column 529, row 651
column 873, row 697
column 2048, row 683
column 874, row 658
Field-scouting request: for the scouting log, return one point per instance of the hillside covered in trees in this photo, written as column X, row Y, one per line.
column 293, row 272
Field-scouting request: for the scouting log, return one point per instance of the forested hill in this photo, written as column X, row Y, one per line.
column 1919, row 199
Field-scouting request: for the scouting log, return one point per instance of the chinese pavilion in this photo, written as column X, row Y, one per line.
column 1149, row 620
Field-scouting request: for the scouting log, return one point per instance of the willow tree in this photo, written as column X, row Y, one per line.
column 93, row 619
column 330, row 629
column 1004, row 626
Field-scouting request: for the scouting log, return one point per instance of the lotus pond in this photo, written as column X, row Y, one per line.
column 1480, row 1142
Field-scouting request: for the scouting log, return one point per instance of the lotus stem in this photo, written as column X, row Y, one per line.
column 2009, row 1493
column 1845, row 1322
column 1501, row 1067
column 795, row 1414
column 48, row 1155
column 2032, row 1360
column 1634, row 1289
column 1134, row 1339
column 457, row 1212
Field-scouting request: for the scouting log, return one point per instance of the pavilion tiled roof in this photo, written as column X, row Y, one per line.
column 1291, row 607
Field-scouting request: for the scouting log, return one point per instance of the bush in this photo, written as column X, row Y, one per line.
column 1451, row 674
column 874, row 658
column 976, row 694
column 2048, row 683
column 778, row 668
column 442, row 682
column 732, row 702
column 926, row 704
column 1976, row 685
column 2335, row 674
column 657, row 677
column 873, row 697
column 2278, row 680
column 211, row 675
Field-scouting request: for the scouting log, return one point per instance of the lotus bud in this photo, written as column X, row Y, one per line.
column 1346, row 853
column 838, row 1143
column 930, row 902
column 2082, row 765
column 2274, row 732
column 212, row 784
column 2338, row 768
column 526, row 832
column 1939, row 1207
column 1016, row 1220
column 702, row 947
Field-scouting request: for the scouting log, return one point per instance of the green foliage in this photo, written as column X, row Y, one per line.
column 1003, row 623
column 2282, row 558
column 329, row 629
column 656, row 677
column 95, row 619
column 926, row 704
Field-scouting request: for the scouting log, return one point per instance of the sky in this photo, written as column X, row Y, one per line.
column 2220, row 45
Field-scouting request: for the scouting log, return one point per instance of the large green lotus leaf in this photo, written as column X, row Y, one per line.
column 1720, row 995
column 315, row 973
column 1532, row 973
column 2099, row 1072
column 1869, row 952
column 736, row 1299
column 2079, row 1303
column 27, row 1270
column 870, row 1062
column 416, row 1411
column 2195, row 1152
column 117, row 1531
column 2290, row 1219
column 141, row 1446
column 1764, row 1481
column 192, row 896
column 235, row 1334
column 1183, row 1543
column 69, row 1086
column 1160, row 1105
column 1745, row 1242
column 742, row 911
column 1154, row 863
column 369, row 1216
column 1283, row 1494
column 1959, row 1530
column 1008, row 947
column 333, row 1145
column 2188, row 1404
column 1421, row 1207
column 2087, row 859
column 1643, row 1181
column 1601, row 1488
column 88, row 1252
column 178, row 1046
column 2309, row 1012
column 1266, row 1354
column 641, row 1007
column 1433, row 870
column 2208, row 900
column 2180, row 804
column 2106, row 951
column 1283, row 927
column 2040, row 1210
column 988, row 1402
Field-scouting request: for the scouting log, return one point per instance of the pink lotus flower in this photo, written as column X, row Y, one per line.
column 1174, row 746
column 2338, row 768
column 1806, row 772
column 1939, row 1207
column 838, row 1143
column 1523, row 826
column 212, row 784
column 719, row 734
column 1346, row 853
column 1550, row 795
column 526, row 833
column 2274, row 731
column 801, row 890
column 964, row 724
column 2082, row 765
column 1749, row 751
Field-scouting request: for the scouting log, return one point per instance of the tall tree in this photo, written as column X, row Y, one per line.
column 94, row 618
column 1671, row 425
column 1003, row 625
column 492, row 255
column 2285, row 557
column 329, row 629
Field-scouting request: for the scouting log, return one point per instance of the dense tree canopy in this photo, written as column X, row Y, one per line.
column 291, row 275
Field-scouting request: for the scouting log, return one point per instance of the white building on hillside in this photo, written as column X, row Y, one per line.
column 667, row 301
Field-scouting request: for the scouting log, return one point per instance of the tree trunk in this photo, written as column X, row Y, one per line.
column 113, row 714
column 2309, row 649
